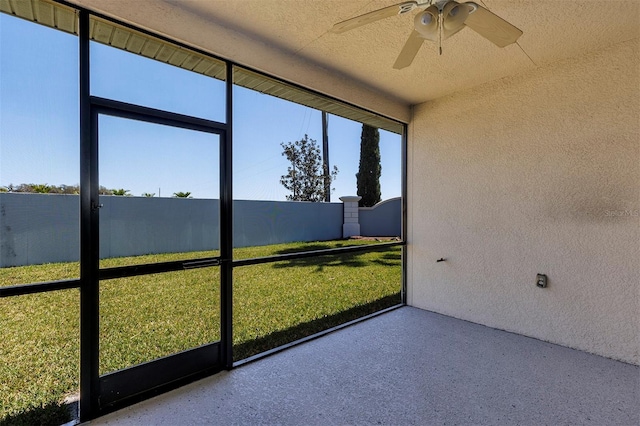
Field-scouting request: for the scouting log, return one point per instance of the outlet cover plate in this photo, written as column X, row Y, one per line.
column 541, row 280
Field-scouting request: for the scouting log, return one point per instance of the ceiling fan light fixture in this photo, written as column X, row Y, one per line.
column 426, row 23
column 454, row 15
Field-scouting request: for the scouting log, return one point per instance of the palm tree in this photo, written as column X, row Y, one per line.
column 148, row 195
column 41, row 188
column 182, row 195
column 121, row 192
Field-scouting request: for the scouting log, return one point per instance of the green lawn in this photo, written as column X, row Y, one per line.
column 146, row 317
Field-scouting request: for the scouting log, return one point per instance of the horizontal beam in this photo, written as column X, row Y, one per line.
column 43, row 287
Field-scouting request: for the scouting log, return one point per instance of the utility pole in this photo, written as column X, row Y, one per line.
column 325, row 157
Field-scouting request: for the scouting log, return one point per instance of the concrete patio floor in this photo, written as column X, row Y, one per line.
column 407, row 367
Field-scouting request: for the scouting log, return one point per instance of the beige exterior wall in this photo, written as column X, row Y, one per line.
column 538, row 173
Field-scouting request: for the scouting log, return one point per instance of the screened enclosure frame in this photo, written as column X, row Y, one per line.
column 120, row 388
column 98, row 394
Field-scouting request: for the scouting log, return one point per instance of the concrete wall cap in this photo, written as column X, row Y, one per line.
column 350, row 199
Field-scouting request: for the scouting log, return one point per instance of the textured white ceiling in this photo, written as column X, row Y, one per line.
column 291, row 39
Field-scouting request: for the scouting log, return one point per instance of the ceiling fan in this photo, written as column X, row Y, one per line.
column 439, row 20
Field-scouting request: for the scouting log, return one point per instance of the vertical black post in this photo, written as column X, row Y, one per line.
column 226, row 230
column 403, row 219
column 88, row 235
column 325, row 156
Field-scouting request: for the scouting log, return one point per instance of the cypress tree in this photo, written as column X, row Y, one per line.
column 369, row 171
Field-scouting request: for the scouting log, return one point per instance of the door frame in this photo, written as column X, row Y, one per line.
column 102, row 394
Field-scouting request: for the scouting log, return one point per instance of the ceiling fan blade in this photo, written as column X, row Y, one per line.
column 409, row 51
column 376, row 15
column 491, row 26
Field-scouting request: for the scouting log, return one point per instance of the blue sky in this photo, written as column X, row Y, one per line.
column 39, row 124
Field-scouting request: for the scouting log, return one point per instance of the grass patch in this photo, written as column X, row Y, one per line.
column 307, row 296
column 281, row 337
column 40, row 351
column 150, row 316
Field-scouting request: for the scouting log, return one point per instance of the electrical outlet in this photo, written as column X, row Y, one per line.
column 541, row 280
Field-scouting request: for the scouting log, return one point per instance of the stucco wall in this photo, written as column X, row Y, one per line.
column 43, row 228
column 257, row 223
column 39, row 228
column 538, row 173
column 131, row 226
column 382, row 220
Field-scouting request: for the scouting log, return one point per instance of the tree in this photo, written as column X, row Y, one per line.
column 369, row 171
column 104, row 191
column 148, row 194
column 37, row 188
column 66, row 189
column 121, row 192
column 41, row 188
column 306, row 178
column 182, row 194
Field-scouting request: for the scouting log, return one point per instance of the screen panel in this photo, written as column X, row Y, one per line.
column 40, row 352
column 152, row 316
column 135, row 67
column 159, row 190
column 277, row 303
column 39, row 153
